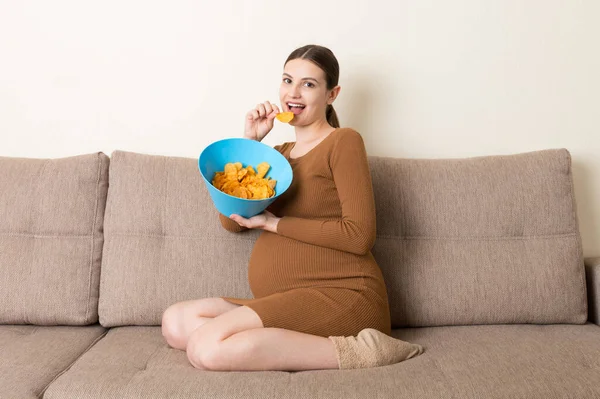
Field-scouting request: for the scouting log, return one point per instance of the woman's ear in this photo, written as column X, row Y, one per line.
column 333, row 93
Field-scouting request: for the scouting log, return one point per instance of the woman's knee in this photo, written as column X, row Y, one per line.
column 172, row 323
column 206, row 351
column 213, row 307
column 177, row 316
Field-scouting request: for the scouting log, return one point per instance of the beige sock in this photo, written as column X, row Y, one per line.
column 372, row 348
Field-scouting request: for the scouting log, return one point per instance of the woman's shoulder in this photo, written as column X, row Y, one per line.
column 346, row 145
column 348, row 136
column 347, row 130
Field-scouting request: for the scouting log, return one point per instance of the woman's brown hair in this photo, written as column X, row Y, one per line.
column 324, row 59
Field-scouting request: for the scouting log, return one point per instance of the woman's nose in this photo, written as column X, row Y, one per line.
column 295, row 91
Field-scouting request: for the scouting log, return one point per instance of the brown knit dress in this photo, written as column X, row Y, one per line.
column 316, row 274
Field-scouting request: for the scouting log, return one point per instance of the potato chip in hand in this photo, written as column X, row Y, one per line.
column 285, row 117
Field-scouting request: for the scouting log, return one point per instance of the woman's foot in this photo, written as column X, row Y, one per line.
column 372, row 348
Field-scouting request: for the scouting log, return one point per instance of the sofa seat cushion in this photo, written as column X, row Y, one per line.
column 32, row 356
column 485, row 361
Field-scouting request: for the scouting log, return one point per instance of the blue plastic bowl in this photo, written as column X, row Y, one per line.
column 249, row 152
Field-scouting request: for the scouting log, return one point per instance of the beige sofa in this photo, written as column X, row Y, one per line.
column 482, row 258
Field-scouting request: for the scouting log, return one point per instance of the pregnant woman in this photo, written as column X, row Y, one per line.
column 320, row 301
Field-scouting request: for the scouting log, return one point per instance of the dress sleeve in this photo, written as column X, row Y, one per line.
column 356, row 230
column 231, row 225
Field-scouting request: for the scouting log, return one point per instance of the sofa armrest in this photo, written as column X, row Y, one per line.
column 592, row 276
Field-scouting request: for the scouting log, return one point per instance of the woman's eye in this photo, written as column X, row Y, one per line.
column 308, row 84
column 287, row 80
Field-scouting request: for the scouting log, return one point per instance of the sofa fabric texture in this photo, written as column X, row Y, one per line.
column 481, row 240
column 51, row 224
column 31, row 357
column 481, row 256
column 164, row 242
column 467, row 362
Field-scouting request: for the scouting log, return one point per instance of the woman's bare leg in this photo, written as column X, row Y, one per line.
column 237, row 340
column 275, row 349
column 182, row 318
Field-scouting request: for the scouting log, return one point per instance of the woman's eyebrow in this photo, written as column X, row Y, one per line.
column 307, row 78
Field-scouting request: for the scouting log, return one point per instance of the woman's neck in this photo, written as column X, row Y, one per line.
column 313, row 132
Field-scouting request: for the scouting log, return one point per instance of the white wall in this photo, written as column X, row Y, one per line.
column 420, row 78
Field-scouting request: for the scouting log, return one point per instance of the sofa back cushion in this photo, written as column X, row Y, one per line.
column 51, row 216
column 164, row 242
column 482, row 240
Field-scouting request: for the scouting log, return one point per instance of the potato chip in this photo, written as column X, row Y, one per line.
column 285, row 117
column 245, row 182
column 262, row 169
column 231, row 171
column 229, row 186
column 241, row 173
column 241, row 192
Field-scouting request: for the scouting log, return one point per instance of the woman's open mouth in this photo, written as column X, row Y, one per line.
column 296, row 108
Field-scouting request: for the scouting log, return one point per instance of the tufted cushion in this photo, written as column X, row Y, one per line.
column 164, row 242
column 51, row 216
column 482, row 240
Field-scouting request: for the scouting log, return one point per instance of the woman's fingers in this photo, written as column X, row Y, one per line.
column 259, row 121
column 252, row 115
column 268, row 108
column 254, row 222
column 261, row 110
column 242, row 221
column 274, row 112
column 264, row 110
column 238, row 219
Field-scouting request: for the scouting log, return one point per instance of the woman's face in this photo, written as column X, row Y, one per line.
column 303, row 91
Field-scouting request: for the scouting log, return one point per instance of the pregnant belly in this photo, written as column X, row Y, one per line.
column 279, row 264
